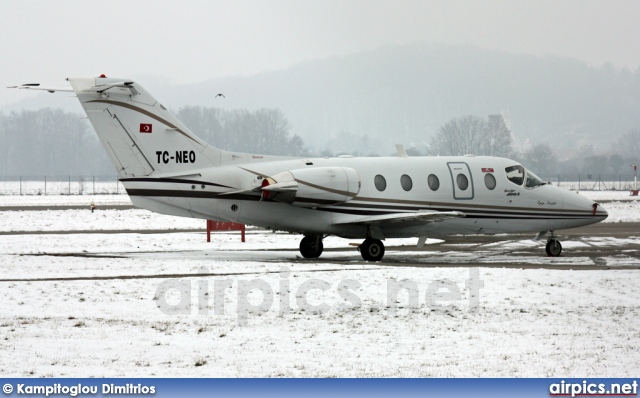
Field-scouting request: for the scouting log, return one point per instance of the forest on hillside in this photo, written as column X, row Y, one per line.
column 57, row 143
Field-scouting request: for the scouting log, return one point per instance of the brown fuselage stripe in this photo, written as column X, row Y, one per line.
column 173, row 180
column 151, row 115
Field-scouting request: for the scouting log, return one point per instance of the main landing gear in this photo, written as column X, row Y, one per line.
column 553, row 248
column 311, row 246
column 372, row 249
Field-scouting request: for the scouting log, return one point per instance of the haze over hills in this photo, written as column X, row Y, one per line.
column 405, row 93
column 366, row 102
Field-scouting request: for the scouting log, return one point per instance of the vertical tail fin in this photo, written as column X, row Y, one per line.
column 141, row 137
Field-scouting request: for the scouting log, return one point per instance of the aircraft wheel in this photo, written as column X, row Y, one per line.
column 372, row 249
column 311, row 246
column 554, row 248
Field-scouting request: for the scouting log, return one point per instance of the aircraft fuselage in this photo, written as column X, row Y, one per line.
column 506, row 207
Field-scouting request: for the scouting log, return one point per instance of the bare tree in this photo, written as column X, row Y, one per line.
column 206, row 122
column 473, row 135
column 458, row 136
column 541, row 159
column 628, row 146
column 265, row 131
column 618, row 164
column 51, row 142
column 496, row 138
column 271, row 131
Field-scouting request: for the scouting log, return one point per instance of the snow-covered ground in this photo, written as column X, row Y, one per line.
column 173, row 305
column 609, row 195
column 628, row 211
column 85, row 220
column 353, row 322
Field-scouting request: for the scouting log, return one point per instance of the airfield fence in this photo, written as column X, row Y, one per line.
column 591, row 181
column 109, row 185
column 61, row 185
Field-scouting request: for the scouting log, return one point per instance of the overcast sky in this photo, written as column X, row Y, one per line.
column 191, row 41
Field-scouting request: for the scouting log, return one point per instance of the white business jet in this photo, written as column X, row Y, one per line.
column 167, row 169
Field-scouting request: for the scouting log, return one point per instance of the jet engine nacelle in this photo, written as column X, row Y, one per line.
column 313, row 187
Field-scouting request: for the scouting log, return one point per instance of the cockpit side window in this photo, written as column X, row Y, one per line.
column 515, row 174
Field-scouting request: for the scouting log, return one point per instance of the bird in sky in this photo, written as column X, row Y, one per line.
column 220, row 95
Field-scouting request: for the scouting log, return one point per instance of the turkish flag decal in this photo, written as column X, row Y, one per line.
column 146, row 128
column 484, row 169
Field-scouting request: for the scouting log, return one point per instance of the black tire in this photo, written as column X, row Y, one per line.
column 311, row 246
column 554, row 248
column 372, row 249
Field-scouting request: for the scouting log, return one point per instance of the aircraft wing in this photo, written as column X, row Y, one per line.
column 419, row 217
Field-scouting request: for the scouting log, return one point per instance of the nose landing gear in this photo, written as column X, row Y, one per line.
column 553, row 248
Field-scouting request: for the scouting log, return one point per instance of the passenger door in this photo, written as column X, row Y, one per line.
column 461, row 180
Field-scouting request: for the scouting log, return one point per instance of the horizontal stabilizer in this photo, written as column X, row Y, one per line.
column 98, row 88
column 127, row 84
column 37, row 86
column 419, row 217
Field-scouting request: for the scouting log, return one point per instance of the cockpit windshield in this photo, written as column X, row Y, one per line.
column 533, row 180
column 519, row 175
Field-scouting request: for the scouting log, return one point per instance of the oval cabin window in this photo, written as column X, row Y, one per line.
column 434, row 182
column 462, row 181
column 406, row 182
column 380, row 182
column 490, row 181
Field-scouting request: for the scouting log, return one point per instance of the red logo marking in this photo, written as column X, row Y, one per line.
column 146, row 128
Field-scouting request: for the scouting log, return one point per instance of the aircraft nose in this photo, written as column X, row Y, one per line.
column 599, row 210
column 577, row 203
